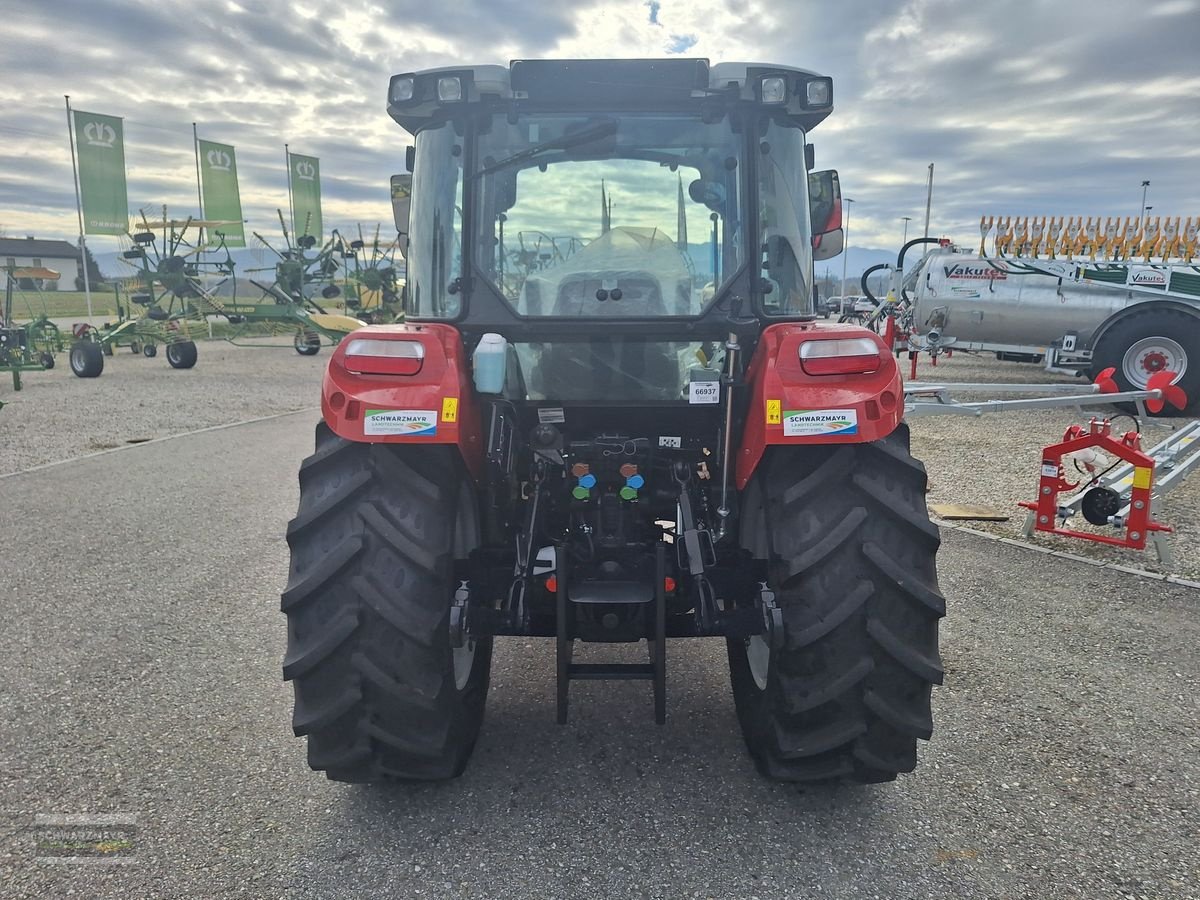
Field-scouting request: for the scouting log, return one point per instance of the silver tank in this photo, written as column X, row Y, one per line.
column 991, row 300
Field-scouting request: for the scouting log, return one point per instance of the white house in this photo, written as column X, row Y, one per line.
column 29, row 252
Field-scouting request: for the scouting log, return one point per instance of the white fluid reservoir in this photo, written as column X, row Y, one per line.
column 490, row 361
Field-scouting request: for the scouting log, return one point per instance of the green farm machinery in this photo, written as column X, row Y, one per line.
column 371, row 285
column 180, row 287
column 29, row 347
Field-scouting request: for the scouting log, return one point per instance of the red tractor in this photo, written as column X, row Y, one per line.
column 594, row 427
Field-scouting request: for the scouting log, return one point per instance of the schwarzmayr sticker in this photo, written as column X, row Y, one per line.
column 812, row 422
column 400, row 422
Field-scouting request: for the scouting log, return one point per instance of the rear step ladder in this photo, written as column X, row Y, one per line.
column 654, row 671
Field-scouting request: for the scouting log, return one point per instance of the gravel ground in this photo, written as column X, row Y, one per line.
column 140, row 662
column 993, row 461
column 57, row 416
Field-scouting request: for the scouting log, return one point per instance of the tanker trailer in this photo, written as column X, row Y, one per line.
column 1080, row 316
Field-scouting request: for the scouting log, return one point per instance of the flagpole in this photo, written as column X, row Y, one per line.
column 928, row 200
column 83, row 253
column 287, row 161
column 200, row 201
column 199, row 190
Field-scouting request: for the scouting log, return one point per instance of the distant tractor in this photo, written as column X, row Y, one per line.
column 592, row 427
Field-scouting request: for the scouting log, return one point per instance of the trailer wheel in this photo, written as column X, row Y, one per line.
column 87, row 359
column 381, row 692
column 150, row 351
column 1150, row 341
column 846, row 694
column 135, row 347
column 47, row 360
column 307, row 343
column 182, row 354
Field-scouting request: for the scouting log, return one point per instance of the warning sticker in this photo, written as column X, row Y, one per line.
column 449, row 409
column 812, row 422
column 551, row 415
column 1141, row 477
column 774, row 412
column 1049, row 470
column 400, row 422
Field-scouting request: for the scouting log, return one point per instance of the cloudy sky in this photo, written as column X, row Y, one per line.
column 1050, row 107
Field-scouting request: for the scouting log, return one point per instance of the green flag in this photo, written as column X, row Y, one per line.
column 306, row 195
column 218, row 177
column 101, row 152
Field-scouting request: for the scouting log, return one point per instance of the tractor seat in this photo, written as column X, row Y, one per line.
column 636, row 294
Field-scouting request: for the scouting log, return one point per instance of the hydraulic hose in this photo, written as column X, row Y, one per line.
column 900, row 259
column 863, row 282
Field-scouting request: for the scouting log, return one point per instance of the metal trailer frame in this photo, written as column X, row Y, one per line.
column 934, row 398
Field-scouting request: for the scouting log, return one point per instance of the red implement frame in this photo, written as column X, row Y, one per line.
column 1128, row 448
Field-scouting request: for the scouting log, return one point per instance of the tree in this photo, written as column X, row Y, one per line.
column 95, row 276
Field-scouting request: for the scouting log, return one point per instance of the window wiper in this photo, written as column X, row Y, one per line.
column 565, row 142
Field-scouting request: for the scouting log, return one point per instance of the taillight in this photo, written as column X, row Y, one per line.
column 371, row 356
column 845, row 356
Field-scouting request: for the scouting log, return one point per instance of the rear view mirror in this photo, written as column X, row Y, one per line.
column 828, row 245
column 401, row 208
column 825, row 212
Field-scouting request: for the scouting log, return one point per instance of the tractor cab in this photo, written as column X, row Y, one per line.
column 641, row 194
column 610, row 416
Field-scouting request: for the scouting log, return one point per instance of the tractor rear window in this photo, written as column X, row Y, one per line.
column 605, row 217
column 621, row 370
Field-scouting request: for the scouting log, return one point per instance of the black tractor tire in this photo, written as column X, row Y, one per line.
column 150, row 351
column 368, row 604
column 1117, row 349
column 850, row 555
column 47, row 359
column 307, row 343
column 87, row 359
column 181, row 355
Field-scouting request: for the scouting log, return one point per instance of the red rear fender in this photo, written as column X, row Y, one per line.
column 848, row 392
column 404, row 384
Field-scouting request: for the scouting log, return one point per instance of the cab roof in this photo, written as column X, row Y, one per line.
column 634, row 85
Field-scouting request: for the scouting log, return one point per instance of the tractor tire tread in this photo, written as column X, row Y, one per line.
column 852, row 563
column 368, row 605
